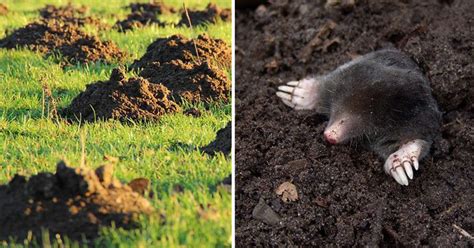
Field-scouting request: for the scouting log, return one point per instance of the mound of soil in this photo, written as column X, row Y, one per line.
column 55, row 37
column 73, row 202
column 345, row 198
column 143, row 14
column 192, row 82
column 121, row 99
column 154, row 7
column 222, row 143
column 3, row 9
column 138, row 20
column 209, row 15
column 178, row 47
column 70, row 14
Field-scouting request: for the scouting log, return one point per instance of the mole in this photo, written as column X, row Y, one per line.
column 381, row 99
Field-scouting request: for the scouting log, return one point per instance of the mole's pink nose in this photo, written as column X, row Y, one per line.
column 330, row 137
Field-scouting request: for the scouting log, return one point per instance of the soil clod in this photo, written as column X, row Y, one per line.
column 153, row 7
column 209, row 15
column 194, row 112
column 72, row 202
column 222, row 143
column 138, row 20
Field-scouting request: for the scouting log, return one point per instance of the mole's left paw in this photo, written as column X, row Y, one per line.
column 301, row 94
column 399, row 164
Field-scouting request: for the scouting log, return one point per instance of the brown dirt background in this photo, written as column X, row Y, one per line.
column 345, row 198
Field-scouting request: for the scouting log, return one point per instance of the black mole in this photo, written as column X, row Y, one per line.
column 382, row 99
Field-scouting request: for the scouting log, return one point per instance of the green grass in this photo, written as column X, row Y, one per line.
column 30, row 142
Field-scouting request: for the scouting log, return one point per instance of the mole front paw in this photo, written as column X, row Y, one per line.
column 399, row 164
column 301, row 94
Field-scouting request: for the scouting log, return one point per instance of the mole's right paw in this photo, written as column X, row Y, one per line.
column 301, row 94
column 399, row 164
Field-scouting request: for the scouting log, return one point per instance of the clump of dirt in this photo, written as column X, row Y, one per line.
column 153, row 7
column 122, row 99
column 73, row 202
column 53, row 37
column 194, row 112
column 3, row 9
column 345, row 198
column 209, row 15
column 138, row 20
column 70, row 14
column 178, row 47
column 222, row 143
column 144, row 14
column 202, row 82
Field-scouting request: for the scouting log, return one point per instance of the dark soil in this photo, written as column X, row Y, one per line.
column 154, row 7
column 211, row 14
column 3, row 9
column 143, row 14
column 191, row 82
column 173, row 62
column 138, row 20
column 55, row 37
column 194, row 112
column 73, row 202
column 222, row 143
column 178, row 47
column 70, row 14
column 345, row 198
column 121, row 99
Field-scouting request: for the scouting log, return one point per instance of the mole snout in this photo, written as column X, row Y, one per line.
column 330, row 137
column 337, row 131
column 399, row 125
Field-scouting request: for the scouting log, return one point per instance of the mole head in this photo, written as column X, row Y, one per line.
column 344, row 126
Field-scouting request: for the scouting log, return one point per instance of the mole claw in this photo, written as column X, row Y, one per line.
column 402, row 175
column 293, row 83
column 408, row 169
column 397, row 178
column 415, row 163
column 288, row 103
column 285, row 88
column 283, row 95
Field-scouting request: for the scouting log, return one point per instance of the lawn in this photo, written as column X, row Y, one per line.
column 31, row 142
